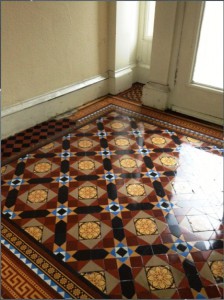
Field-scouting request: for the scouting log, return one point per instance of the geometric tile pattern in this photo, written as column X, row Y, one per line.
column 134, row 93
column 134, row 208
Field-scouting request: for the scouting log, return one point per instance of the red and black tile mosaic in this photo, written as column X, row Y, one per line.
column 134, row 208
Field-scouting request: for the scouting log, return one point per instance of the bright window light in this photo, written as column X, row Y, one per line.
column 208, row 69
column 149, row 18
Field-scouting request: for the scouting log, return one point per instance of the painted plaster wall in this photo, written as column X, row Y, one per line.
column 50, row 45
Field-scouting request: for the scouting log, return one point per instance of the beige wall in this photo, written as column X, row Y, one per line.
column 50, row 45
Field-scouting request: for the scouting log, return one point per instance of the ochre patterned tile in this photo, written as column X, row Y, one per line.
column 133, row 207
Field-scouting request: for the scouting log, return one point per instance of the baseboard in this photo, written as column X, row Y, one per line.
column 121, row 79
column 31, row 113
column 142, row 71
column 53, row 94
column 197, row 115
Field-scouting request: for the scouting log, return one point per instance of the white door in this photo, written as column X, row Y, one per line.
column 194, row 94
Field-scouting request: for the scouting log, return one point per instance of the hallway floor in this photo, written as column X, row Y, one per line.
column 131, row 202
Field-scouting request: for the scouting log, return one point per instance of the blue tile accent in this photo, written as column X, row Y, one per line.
column 153, row 174
column 165, row 205
column 16, row 182
column 181, row 247
column 10, row 213
column 121, row 252
column 114, row 208
column 36, row 270
column 109, row 176
column 64, row 179
column 61, row 212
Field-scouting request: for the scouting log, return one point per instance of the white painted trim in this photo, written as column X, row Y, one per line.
column 52, row 95
column 121, row 72
column 208, row 89
column 12, row 124
column 197, row 115
column 144, row 66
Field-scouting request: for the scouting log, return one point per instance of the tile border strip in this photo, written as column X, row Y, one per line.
column 54, row 276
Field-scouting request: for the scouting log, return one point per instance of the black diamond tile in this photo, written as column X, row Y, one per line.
column 60, row 256
column 181, row 247
column 114, row 207
column 61, row 211
column 121, row 252
column 16, row 181
column 165, row 205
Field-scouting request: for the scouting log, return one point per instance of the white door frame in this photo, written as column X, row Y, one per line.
column 187, row 97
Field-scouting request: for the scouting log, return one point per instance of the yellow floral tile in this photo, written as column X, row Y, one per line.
column 86, row 165
column 135, row 189
column 37, row 196
column 160, row 278
column 85, row 144
column 87, row 192
column 97, row 278
column 217, row 268
column 145, row 226
column 128, row 163
column 117, row 125
column 169, row 161
column 89, row 230
column 122, row 142
column 3, row 169
column 35, row 231
column 42, row 167
column 158, row 140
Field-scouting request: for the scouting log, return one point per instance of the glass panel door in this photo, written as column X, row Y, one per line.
column 208, row 69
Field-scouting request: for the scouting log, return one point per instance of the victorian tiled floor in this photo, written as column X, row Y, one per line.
column 134, row 208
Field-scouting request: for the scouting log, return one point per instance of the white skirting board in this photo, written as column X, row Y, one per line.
column 197, row 115
column 34, row 111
